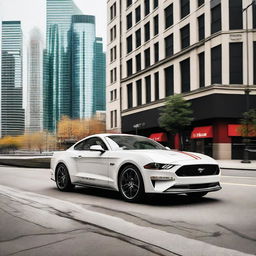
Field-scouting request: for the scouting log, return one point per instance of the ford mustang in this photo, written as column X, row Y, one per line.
column 133, row 165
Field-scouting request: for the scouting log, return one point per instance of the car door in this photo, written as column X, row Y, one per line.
column 92, row 166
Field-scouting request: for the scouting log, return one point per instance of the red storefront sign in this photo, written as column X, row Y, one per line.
column 160, row 137
column 235, row 130
column 202, row 132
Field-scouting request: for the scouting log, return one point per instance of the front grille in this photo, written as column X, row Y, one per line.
column 195, row 186
column 198, row 170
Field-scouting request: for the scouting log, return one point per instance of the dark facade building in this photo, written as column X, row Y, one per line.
column 12, row 112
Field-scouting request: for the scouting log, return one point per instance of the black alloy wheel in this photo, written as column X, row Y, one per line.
column 131, row 184
column 62, row 178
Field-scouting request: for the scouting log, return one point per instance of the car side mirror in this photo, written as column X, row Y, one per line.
column 97, row 148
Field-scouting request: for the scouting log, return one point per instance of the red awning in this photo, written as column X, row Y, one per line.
column 236, row 130
column 202, row 132
column 160, row 137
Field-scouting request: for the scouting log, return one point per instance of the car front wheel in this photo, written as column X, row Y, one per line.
column 130, row 184
column 63, row 181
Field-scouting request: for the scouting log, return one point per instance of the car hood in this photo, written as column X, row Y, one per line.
column 172, row 156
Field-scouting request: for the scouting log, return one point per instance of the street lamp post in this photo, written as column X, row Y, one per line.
column 247, row 88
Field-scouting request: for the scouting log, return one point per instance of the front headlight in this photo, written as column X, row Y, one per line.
column 158, row 166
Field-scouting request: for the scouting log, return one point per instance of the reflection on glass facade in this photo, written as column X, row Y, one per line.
column 57, row 62
column 83, row 40
column 12, row 113
column 99, row 76
column 74, row 65
column 34, row 112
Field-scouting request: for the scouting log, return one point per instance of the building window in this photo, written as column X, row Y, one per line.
column 138, row 38
column 129, row 95
column 216, row 66
column 156, row 75
column 113, row 11
column 112, row 119
column 168, row 72
column 129, row 67
column 129, row 21
column 185, row 75
column 147, row 31
column 113, row 95
column 184, row 8
column 148, row 88
column 137, row 14
column 200, row 2
column 201, row 69
column 235, row 14
column 236, row 63
column 147, row 7
column 113, row 75
column 115, row 119
column 129, row 43
column 113, row 33
column 168, row 12
column 185, row 36
column 201, row 30
column 254, row 15
column 113, row 54
column 138, row 62
column 169, row 46
column 139, row 92
column 147, row 57
column 216, row 19
column 156, row 25
column 155, row 4
column 156, row 52
column 254, row 62
column 128, row 3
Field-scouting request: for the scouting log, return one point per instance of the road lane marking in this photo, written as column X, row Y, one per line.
column 238, row 184
column 238, row 177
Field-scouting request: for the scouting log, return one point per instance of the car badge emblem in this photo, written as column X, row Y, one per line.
column 200, row 170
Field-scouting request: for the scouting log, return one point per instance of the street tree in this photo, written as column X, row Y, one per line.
column 176, row 115
column 248, row 123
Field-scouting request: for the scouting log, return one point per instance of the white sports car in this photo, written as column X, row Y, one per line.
column 134, row 165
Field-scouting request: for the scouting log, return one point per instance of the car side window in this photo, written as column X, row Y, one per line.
column 86, row 144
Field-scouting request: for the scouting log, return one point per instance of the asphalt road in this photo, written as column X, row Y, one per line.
column 37, row 219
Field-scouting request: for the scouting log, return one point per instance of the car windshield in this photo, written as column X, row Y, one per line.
column 135, row 142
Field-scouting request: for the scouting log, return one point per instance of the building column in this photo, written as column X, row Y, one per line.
column 221, row 142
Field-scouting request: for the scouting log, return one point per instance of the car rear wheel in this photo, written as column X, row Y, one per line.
column 130, row 184
column 63, row 181
column 197, row 194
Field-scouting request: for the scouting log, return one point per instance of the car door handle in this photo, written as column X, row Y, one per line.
column 79, row 156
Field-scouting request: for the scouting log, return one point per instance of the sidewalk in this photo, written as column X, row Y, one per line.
column 236, row 164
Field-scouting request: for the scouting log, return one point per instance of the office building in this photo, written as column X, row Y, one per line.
column 12, row 112
column 34, row 109
column 195, row 48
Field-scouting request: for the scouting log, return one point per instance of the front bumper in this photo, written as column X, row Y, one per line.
column 167, row 182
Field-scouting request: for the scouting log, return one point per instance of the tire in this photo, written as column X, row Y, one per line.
column 63, row 181
column 130, row 184
column 197, row 194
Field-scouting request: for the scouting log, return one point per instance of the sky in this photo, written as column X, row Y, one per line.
column 32, row 13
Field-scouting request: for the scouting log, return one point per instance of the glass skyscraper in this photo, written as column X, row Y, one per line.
column 72, row 57
column 34, row 110
column 99, row 76
column 12, row 112
column 83, row 40
column 57, row 78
